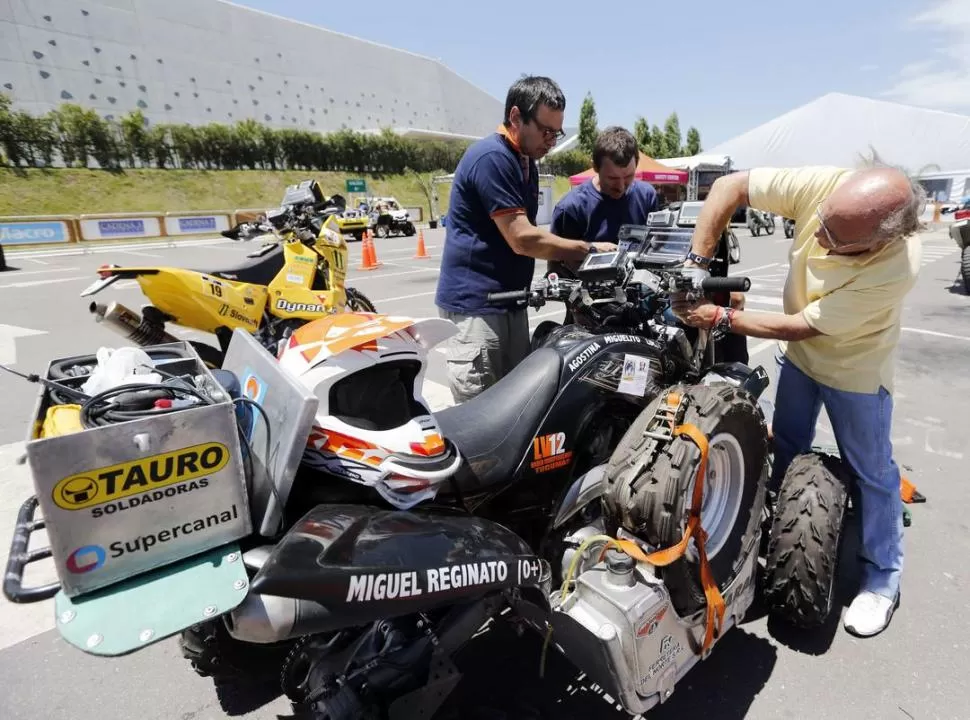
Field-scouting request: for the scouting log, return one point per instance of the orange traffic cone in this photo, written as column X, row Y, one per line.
column 422, row 250
column 367, row 259
column 373, row 252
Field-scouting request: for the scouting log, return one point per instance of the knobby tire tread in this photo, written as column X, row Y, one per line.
column 654, row 504
column 801, row 565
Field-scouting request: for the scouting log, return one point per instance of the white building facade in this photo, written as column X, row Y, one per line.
column 201, row 61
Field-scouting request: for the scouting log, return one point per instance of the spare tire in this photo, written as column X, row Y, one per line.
column 801, row 565
column 653, row 503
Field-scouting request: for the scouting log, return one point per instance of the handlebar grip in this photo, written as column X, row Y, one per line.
column 726, row 284
column 510, row 295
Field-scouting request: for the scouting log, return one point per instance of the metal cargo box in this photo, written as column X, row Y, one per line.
column 122, row 499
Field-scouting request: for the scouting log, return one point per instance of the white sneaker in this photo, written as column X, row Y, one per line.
column 869, row 613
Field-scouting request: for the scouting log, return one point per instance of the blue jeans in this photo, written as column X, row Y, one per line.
column 861, row 423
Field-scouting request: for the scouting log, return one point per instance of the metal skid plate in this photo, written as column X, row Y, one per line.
column 138, row 612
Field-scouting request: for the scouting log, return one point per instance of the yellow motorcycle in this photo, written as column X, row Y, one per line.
column 296, row 277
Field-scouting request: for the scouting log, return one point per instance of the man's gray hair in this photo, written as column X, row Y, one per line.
column 905, row 220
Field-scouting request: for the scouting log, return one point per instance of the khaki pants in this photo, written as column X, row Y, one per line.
column 484, row 350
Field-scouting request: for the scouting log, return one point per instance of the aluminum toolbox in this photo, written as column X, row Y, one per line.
column 120, row 500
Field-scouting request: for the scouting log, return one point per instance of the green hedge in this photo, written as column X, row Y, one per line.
column 78, row 137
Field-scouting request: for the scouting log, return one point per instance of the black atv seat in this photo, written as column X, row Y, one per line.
column 256, row 271
column 494, row 429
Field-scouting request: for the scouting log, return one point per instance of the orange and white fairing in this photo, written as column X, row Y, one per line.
column 373, row 425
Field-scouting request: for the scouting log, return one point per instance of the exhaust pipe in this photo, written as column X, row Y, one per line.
column 266, row 619
column 130, row 325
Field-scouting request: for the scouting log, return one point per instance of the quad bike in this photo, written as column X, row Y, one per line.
column 758, row 220
column 299, row 275
column 404, row 531
column 789, row 228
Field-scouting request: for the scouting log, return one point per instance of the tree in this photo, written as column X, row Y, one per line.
column 587, row 125
column 136, row 138
column 671, row 141
column 641, row 132
column 657, row 143
column 693, row 141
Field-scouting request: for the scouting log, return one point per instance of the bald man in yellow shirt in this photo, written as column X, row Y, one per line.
column 854, row 257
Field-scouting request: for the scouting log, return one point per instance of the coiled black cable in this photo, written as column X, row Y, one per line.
column 98, row 411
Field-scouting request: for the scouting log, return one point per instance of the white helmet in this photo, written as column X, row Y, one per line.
column 373, row 425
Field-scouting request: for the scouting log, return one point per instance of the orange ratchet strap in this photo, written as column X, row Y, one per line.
column 659, row 558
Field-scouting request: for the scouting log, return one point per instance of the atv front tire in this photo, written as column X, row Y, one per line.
column 801, row 565
column 654, row 503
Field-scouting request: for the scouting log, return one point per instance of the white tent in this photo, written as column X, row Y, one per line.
column 838, row 129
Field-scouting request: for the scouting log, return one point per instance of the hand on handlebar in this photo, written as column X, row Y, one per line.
column 697, row 276
column 696, row 314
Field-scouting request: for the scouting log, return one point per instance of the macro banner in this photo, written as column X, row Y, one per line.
column 40, row 230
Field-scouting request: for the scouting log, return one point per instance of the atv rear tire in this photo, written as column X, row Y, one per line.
column 801, row 565
column 654, row 504
column 214, row 653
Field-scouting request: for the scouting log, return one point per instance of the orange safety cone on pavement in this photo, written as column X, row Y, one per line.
column 373, row 252
column 422, row 252
column 367, row 260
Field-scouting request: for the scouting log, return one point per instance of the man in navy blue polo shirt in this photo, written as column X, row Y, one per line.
column 492, row 242
column 595, row 210
column 613, row 197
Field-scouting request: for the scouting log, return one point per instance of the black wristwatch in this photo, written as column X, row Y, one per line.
column 699, row 259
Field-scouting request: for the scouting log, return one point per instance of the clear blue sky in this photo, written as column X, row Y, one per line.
column 724, row 67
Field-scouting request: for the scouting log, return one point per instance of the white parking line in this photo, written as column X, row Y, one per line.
column 358, row 278
column 21, row 273
column 405, row 297
column 741, row 271
column 51, row 281
column 763, row 300
column 934, row 333
column 85, row 249
column 139, row 254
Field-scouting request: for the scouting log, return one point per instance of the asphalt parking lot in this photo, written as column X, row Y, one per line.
column 913, row 670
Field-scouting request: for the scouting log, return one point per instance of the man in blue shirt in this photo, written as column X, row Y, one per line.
column 613, row 197
column 492, row 242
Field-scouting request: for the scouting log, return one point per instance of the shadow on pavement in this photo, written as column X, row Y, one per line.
column 502, row 682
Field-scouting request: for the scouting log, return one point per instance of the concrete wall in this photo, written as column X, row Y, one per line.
column 198, row 61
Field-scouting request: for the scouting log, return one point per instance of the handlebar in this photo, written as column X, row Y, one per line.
column 726, row 284
column 510, row 295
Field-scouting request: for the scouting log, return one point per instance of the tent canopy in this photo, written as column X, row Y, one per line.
column 695, row 162
column 647, row 169
column 838, row 129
